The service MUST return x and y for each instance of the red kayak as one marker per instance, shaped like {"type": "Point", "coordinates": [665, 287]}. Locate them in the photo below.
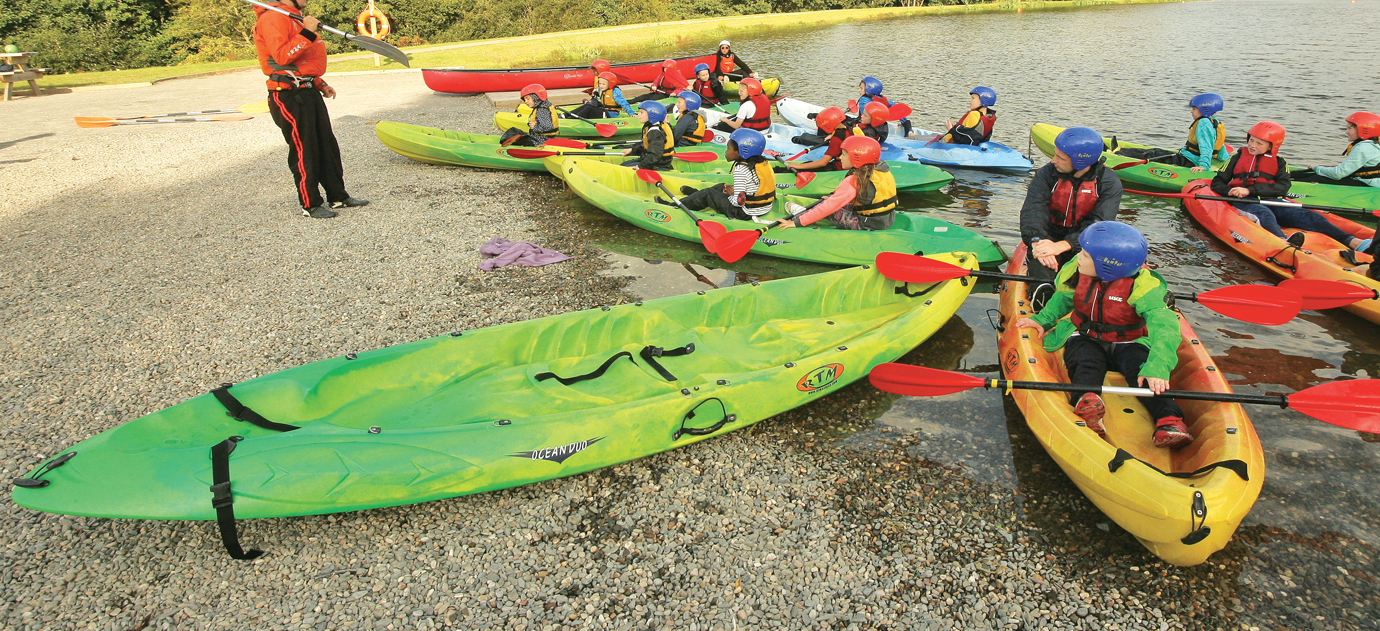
{"type": "Point", "coordinates": [465, 81]}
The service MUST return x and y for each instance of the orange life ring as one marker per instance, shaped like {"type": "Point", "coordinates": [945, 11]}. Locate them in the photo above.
{"type": "Point", "coordinates": [362, 23]}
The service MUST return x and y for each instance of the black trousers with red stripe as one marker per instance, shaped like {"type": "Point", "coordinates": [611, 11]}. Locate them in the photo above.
{"type": "Point", "coordinates": [313, 153]}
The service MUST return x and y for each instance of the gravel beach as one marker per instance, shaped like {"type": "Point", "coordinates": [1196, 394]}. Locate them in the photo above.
{"type": "Point", "coordinates": [143, 266]}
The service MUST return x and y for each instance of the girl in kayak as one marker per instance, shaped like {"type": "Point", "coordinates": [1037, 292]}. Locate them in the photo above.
{"type": "Point", "coordinates": [728, 65]}
{"type": "Point", "coordinates": [755, 111]}
{"type": "Point", "coordinates": [865, 199]}
{"type": "Point", "coordinates": [1362, 164]}
{"type": "Point", "coordinates": [658, 142]}
{"type": "Point", "coordinates": [828, 124]}
{"type": "Point", "coordinates": [542, 124]}
{"type": "Point", "coordinates": [606, 102]}
{"type": "Point", "coordinates": [598, 66]}
{"type": "Point", "coordinates": [710, 91]}
{"type": "Point", "coordinates": [872, 122]}
{"type": "Point", "coordinates": [1205, 131]}
{"type": "Point", "coordinates": [1074, 191]}
{"type": "Point", "coordinates": [1256, 170]}
{"type": "Point", "coordinates": [975, 126]}
{"type": "Point", "coordinates": [667, 84]}
{"type": "Point", "coordinates": [753, 191]}
{"type": "Point", "coordinates": [1118, 320]}
{"type": "Point", "coordinates": [689, 129]}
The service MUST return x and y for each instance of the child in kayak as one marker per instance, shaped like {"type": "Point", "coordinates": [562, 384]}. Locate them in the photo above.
{"type": "Point", "coordinates": [1205, 131]}
{"type": "Point", "coordinates": [755, 111]}
{"type": "Point", "coordinates": [658, 143]}
{"type": "Point", "coordinates": [606, 102]}
{"type": "Point", "coordinates": [870, 91]}
{"type": "Point", "coordinates": [1074, 191]}
{"type": "Point", "coordinates": [710, 91]}
{"type": "Point", "coordinates": [728, 65]}
{"type": "Point", "coordinates": [828, 125]}
{"type": "Point", "coordinates": [598, 67]}
{"type": "Point", "coordinates": [1362, 164]}
{"type": "Point", "coordinates": [865, 200]}
{"type": "Point", "coordinates": [1118, 320]}
{"type": "Point", "coordinates": [975, 126]}
{"type": "Point", "coordinates": [872, 122]}
{"type": "Point", "coordinates": [689, 129]}
{"type": "Point", "coordinates": [667, 84]}
{"type": "Point", "coordinates": [753, 191]}
{"type": "Point", "coordinates": [542, 124]}
{"type": "Point", "coordinates": [1256, 170]}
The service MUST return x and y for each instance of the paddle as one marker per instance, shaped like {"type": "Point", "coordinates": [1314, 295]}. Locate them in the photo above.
{"type": "Point", "coordinates": [899, 111]}
{"type": "Point", "coordinates": [1328, 294]}
{"type": "Point", "coordinates": [735, 245]}
{"type": "Point", "coordinates": [802, 178]}
{"type": "Point", "coordinates": [603, 129]}
{"type": "Point", "coordinates": [96, 121]}
{"type": "Point", "coordinates": [710, 231]}
{"type": "Point", "coordinates": [367, 43]}
{"type": "Point", "coordinates": [1256, 200]}
{"type": "Point", "coordinates": [1353, 404]}
{"type": "Point", "coordinates": [537, 154]}
{"type": "Point", "coordinates": [257, 107]}
{"type": "Point", "coordinates": [1140, 162]}
{"type": "Point", "coordinates": [1261, 304]}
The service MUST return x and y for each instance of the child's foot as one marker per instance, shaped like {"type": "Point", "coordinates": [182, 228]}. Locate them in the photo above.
{"type": "Point", "coordinates": [1296, 239]}
{"type": "Point", "coordinates": [1091, 409]}
{"type": "Point", "coordinates": [1171, 432]}
{"type": "Point", "coordinates": [1363, 245]}
{"type": "Point", "coordinates": [688, 190]}
{"type": "Point", "coordinates": [663, 202]}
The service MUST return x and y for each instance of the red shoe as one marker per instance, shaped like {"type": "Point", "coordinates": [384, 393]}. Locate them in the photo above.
{"type": "Point", "coordinates": [1171, 432]}
{"type": "Point", "coordinates": [1091, 409]}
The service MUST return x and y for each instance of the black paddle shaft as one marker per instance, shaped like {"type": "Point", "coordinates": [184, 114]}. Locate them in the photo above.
{"type": "Point", "coordinates": [679, 205]}
{"type": "Point", "coordinates": [1224, 397]}
{"type": "Point", "coordinates": [1178, 295]}
{"type": "Point", "coordinates": [1288, 204]}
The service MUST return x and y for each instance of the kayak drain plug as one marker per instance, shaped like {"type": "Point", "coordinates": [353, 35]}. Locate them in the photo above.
{"type": "Point", "coordinates": [374, 429]}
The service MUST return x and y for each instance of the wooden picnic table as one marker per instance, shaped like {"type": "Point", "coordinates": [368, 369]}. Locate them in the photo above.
{"type": "Point", "coordinates": [23, 71]}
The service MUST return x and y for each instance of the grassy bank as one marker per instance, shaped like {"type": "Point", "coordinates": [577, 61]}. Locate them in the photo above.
{"type": "Point", "coordinates": [577, 47]}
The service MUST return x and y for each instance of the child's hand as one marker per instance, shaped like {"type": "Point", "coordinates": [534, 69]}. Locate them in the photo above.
{"type": "Point", "coordinates": [1027, 323]}
{"type": "Point", "coordinates": [627, 151]}
{"type": "Point", "coordinates": [728, 189]}
{"type": "Point", "coordinates": [1196, 170]}
{"type": "Point", "coordinates": [1157, 386]}
{"type": "Point", "coordinates": [784, 224]}
{"type": "Point", "coordinates": [1239, 191]}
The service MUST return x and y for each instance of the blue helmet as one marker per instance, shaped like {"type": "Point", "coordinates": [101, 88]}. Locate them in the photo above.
{"type": "Point", "coordinates": [656, 112]}
{"type": "Point", "coordinates": [750, 142]}
{"type": "Point", "coordinates": [987, 96]}
{"type": "Point", "coordinates": [699, 67]}
{"type": "Point", "coordinates": [1208, 104]}
{"type": "Point", "coordinates": [871, 86]}
{"type": "Point", "coordinates": [692, 100]}
{"type": "Point", "coordinates": [1117, 250]}
{"type": "Point", "coordinates": [1082, 145]}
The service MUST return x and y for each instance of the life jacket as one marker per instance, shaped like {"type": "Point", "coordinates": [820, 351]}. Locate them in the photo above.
{"type": "Point", "coordinates": [988, 120]}
{"type": "Point", "coordinates": [1192, 145]}
{"type": "Point", "coordinates": [306, 59]}
{"type": "Point", "coordinates": [669, 141]}
{"type": "Point", "coordinates": [760, 201]}
{"type": "Point", "coordinates": [725, 63]}
{"type": "Point", "coordinates": [1251, 170]}
{"type": "Point", "coordinates": [1367, 172]}
{"type": "Point", "coordinates": [705, 89]}
{"type": "Point", "coordinates": [697, 132]}
{"type": "Point", "coordinates": [862, 102]}
{"type": "Point", "coordinates": [550, 111]}
{"type": "Point", "coordinates": [877, 195]}
{"type": "Point", "coordinates": [878, 132]}
{"type": "Point", "coordinates": [605, 100]}
{"type": "Point", "coordinates": [761, 119]}
{"type": "Point", "coordinates": [1103, 312]}
{"type": "Point", "coordinates": [668, 84]}
{"type": "Point", "coordinates": [1073, 198]}
{"type": "Point", "coordinates": [840, 134]}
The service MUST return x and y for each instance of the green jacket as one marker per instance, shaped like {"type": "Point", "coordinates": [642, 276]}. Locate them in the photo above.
{"type": "Point", "coordinates": [1147, 298]}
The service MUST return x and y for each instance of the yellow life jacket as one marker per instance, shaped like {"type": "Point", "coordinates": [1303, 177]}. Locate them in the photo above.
{"type": "Point", "coordinates": [605, 100]}
{"type": "Point", "coordinates": [760, 202]}
{"type": "Point", "coordinates": [1365, 172]}
{"type": "Point", "coordinates": [669, 140]}
{"type": "Point", "coordinates": [550, 111]}
{"type": "Point", "coordinates": [878, 194]}
{"type": "Point", "coordinates": [1192, 144]}
{"type": "Point", "coordinates": [696, 134]}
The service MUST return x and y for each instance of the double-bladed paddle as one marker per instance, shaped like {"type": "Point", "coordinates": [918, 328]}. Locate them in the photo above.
{"type": "Point", "coordinates": [97, 121]}
{"type": "Point", "coordinates": [603, 129]}
{"type": "Point", "coordinates": [1353, 404]}
{"type": "Point", "coordinates": [257, 107]}
{"type": "Point", "coordinates": [895, 112]}
{"type": "Point", "coordinates": [802, 178]}
{"type": "Point", "coordinates": [735, 245]}
{"type": "Point", "coordinates": [537, 154]}
{"type": "Point", "coordinates": [1256, 200]}
{"type": "Point", "coordinates": [710, 231]}
{"type": "Point", "coordinates": [367, 43]}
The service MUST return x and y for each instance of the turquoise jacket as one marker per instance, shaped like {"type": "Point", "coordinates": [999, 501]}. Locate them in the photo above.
{"type": "Point", "coordinates": [1207, 138]}
{"type": "Point", "coordinates": [1363, 154]}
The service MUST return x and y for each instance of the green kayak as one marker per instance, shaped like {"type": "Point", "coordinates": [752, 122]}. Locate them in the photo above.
{"type": "Point", "coordinates": [501, 406]}
{"type": "Point", "coordinates": [576, 128]}
{"type": "Point", "coordinates": [618, 190]}
{"type": "Point", "coordinates": [1162, 177]}
{"type": "Point", "coordinates": [910, 177]}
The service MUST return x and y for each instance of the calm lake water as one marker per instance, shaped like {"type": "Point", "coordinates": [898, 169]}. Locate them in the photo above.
{"type": "Point", "coordinates": [1127, 71]}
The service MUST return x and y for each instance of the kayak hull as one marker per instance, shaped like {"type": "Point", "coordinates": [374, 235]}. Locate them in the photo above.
{"type": "Point", "coordinates": [1155, 508]}
{"type": "Point", "coordinates": [624, 126]}
{"type": "Point", "coordinates": [449, 148]}
{"type": "Point", "coordinates": [468, 81]}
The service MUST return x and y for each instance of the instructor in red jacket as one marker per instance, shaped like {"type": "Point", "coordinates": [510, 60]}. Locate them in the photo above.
{"type": "Point", "coordinates": [294, 58]}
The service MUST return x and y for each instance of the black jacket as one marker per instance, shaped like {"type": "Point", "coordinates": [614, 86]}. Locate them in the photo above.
{"type": "Point", "coordinates": [1035, 214]}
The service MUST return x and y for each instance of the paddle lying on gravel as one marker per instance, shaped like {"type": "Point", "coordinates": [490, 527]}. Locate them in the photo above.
{"type": "Point", "coordinates": [537, 154]}
{"type": "Point", "coordinates": [1353, 404]}
{"type": "Point", "coordinates": [710, 231]}
{"type": "Point", "coordinates": [367, 43]}
{"type": "Point", "coordinates": [1260, 304]}
{"type": "Point", "coordinates": [1256, 200]}
{"type": "Point", "coordinates": [257, 107]}
{"type": "Point", "coordinates": [802, 178]}
{"type": "Point", "coordinates": [603, 129]}
{"type": "Point", "coordinates": [97, 121]}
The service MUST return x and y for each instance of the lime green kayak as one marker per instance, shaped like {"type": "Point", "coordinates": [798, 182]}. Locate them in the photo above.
{"type": "Point", "coordinates": [576, 128]}
{"type": "Point", "coordinates": [1163, 177]}
{"type": "Point", "coordinates": [502, 406]}
{"type": "Point", "coordinates": [449, 148]}
{"type": "Point", "coordinates": [618, 191]}
{"type": "Point", "coordinates": [910, 177]}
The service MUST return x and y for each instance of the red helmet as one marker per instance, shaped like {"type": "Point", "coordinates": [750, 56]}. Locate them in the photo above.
{"type": "Point", "coordinates": [535, 88]}
{"type": "Point", "coordinates": [862, 150]}
{"type": "Point", "coordinates": [878, 112]}
{"type": "Point", "coordinates": [829, 118]}
{"type": "Point", "coordinates": [754, 87]}
{"type": "Point", "coordinates": [599, 65]}
{"type": "Point", "coordinates": [669, 64]}
{"type": "Point", "coordinates": [1270, 132]}
{"type": "Point", "coordinates": [609, 76]}
{"type": "Point", "coordinates": [1367, 124]}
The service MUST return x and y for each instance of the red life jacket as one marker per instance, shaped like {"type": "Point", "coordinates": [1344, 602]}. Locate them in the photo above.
{"type": "Point", "coordinates": [1251, 170]}
{"type": "Point", "coordinates": [725, 63]}
{"type": "Point", "coordinates": [989, 120]}
{"type": "Point", "coordinates": [1072, 200]}
{"type": "Point", "coordinates": [1102, 311]}
{"type": "Point", "coordinates": [761, 119]}
{"type": "Point", "coordinates": [669, 83]}
{"type": "Point", "coordinates": [705, 89]}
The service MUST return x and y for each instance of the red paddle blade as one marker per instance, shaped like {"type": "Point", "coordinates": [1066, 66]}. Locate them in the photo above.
{"type": "Point", "coordinates": [735, 245]}
{"type": "Point", "coordinates": [1353, 404]}
{"type": "Point", "coordinates": [710, 233]}
{"type": "Point", "coordinates": [910, 268]}
{"type": "Point", "coordinates": [803, 179]}
{"type": "Point", "coordinates": [1327, 294]}
{"type": "Point", "coordinates": [853, 105]}
{"type": "Point", "coordinates": [900, 111]}
{"type": "Point", "coordinates": [1128, 165]}
{"type": "Point", "coordinates": [531, 154]}
{"type": "Point", "coordinates": [649, 176]}
{"type": "Point", "coordinates": [918, 381]}
{"type": "Point", "coordinates": [1261, 304]}
{"type": "Point", "coordinates": [698, 156]}
{"type": "Point", "coordinates": [708, 135]}
{"type": "Point", "coordinates": [567, 143]}
{"type": "Point", "coordinates": [605, 130]}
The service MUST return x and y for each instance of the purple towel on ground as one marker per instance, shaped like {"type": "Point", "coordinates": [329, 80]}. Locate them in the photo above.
{"type": "Point", "coordinates": [501, 252]}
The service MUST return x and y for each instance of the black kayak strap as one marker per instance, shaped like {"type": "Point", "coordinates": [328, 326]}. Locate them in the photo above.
{"type": "Point", "coordinates": [241, 412]}
{"type": "Point", "coordinates": [1235, 466]}
{"type": "Point", "coordinates": [593, 374]}
{"type": "Point", "coordinates": [224, 501]}
{"type": "Point", "coordinates": [648, 355]}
